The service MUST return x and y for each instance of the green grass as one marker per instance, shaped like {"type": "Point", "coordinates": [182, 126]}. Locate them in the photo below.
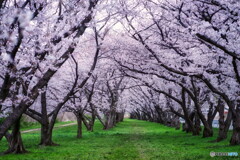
{"type": "Point", "coordinates": [38, 125]}
{"type": "Point", "coordinates": [130, 140]}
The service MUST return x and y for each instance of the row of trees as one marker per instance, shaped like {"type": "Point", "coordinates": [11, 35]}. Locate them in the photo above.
{"type": "Point", "coordinates": [158, 60]}
{"type": "Point", "coordinates": [188, 52]}
{"type": "Point", "coordinates": [51, 56]}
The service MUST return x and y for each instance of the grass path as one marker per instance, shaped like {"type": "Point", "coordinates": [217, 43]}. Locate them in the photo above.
{"type": "Point", "coordinates": [38, 129]}
{"type": "Point", "coordinates": [137, 132]}
{"type": "Point", "coordinates": [129, 140]}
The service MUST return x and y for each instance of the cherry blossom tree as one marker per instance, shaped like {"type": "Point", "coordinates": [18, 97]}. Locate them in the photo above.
{"type": "Point", "coordinates": [157, 59]}
{"type": "Point", "coordinates": [173, 38]}
{"type": "Point", "coordinates": [32, 54]}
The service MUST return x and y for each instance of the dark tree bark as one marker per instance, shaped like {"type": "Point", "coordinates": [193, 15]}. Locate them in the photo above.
{"type": "Point", "coordinates": [86, 123]}
{"type": "Point", "coordinates": [16, 144]}
{"type": "Point", "coordinates": [100, 119]}
{"type": "Point", "coordinates": [110, 119]}
{"type": "Point", "coordinates": [46, 130]}
{"type": "Point", "coordinates": [79, 124]}
{"type": "Point", "coordinates": [186, 128]}
{"type": "Point", "coordinates": [207, 131]}
{"type": "Point", "coordinates": [92, 121]}
{"type": "Point", "coordinates": [1, 3]}
{"type": "Point", "coordinates": [235, 139]}
{"type": "Point", "coordinates": [5, 88]}
{"type": "Point", "coordinates": [189, 123]}
{"type": "Point", "coordinates": [197, 122]}
{"type": "Point", "coordinates": [211, 114]}
{"type": "Point", "coordinates": [159, 113]}
{"type": "Point", "coordinates": [223, 124]}
{"type": "Point", "coordinates": [210, 117]}
{"type": "Point", "coordinates": [79, 130]}
{"type": "Point", "coordinates": [89, 123]}
{"type": "Point", "coordinates": [119, 116]}
{"type": "Point", "coordinates": [93, 117]}
{"type": "Point", "coordinates": [46, 135]}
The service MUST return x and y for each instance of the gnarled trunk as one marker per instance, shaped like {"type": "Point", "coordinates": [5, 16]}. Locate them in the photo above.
{"type": "Point", "coordinates": [189, 126]}
{"type": "Point", "coordinates": [46, 135]}
{"type": "Point", "coordinates": [223, 125]}
{"type": "Point", "coordinates": [210, 117]}
{"type": "Point", "coordinates": [235, 139]}
{"type": "Point", "coordinates": [16, 145]}
{"type": "Point", "coordinates": [186, 128]}
{"type": "Point", "coordinates": [207, 131]}
{"type": "Point", "coordinates": [197, 123]}
{"type": "Point", "coordinates": [111, 120]}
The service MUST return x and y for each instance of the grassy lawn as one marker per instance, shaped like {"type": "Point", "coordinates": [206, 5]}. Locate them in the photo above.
{"type": "Point", "coordinates": [130, 140]}
{"type": "Point", "coordinates": [38, 125]}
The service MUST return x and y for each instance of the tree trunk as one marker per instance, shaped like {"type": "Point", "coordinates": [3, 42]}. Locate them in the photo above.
{"type": "Point", "coordinates": [16, 144]}
{"type": "Point", "coordinates": [8, 137]}
{"type": "Point", "coordinates": [93, 118]}
{"type": "Point", "coordinates": [79, 124]}
{"type": "Point", "coordinates": [46, 128]}
{"type": "Point", "coordinates": [188, 122]}
{"type": "Point", "coordinates": [111, 120]}
{"type": "Point", "coordinates": [207, 131]}
{"type": "Point", "coordinates": [211, 114]}
{"type": "Point", "coordinates": [223, 125]}
{"type": "Point", "coordinates": [101, 120]}
{"type": "Point", "coordinates": [119, 116]}
{"type": "Point", "coordinates": [210, 117]}
{"type": "Point", "coordinates": [186, 128]}
{"type": "Point", "coordinates": [235, 139]}
{"type": "Point", "coordinates": [197, 123]}
{"type": "Point", "coordinates": [92, 121]}
{"type": "Point", "coordinates": [46, 135]}
{"type": "Point", "coordinates": [86, 123]}
{"type": "Point", "coordinates": [176, 122]}
{"type": "Point", "coordinates": [122, 116]}
{"type": "Point", "coordinates": [177, 125]}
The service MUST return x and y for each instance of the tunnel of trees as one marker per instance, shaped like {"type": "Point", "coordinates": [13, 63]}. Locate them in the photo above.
{"type": "Point", "coordinates": [158, 60]}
